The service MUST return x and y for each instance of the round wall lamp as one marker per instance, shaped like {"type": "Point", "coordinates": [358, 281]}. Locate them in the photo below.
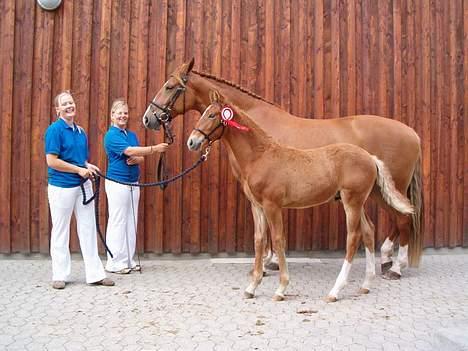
{"type": "Point", "coordinates": [49, 5]}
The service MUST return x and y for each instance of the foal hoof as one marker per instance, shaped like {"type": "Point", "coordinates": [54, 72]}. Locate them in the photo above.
{"type": "Point", "coordinates": [330, 299]}
{"type": "Point", "coordinates": [363, 291]}
{"type": "Point", "coordinates": [248, 295]}
{"type": "Point", "coordinates": [272, 266]}
{"type": "Point", "coordinates": [277, 297]}
{"type": "Point", "coordinates": [385, 267]}
{"type": "Point", "coordinates": [391, 275]}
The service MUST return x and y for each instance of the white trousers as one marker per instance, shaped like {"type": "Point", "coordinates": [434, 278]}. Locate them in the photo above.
{"type": "Point", "coordinates": [122, 224]}
{"type": "Point", "coordinates": [63, 202]}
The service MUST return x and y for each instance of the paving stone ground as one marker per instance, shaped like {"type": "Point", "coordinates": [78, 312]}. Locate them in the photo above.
{"type": "Point", "coordinates": [198, 305]}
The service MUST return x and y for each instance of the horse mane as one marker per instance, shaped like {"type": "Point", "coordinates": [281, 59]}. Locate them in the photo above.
{"type": "Point", "coordinates": [231, 84]}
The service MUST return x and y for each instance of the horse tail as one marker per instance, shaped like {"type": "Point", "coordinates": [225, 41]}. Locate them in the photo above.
{"type": "Point", "coordinates": [416, 238]}
{"type": "Point", "coordinates": [390, 194]}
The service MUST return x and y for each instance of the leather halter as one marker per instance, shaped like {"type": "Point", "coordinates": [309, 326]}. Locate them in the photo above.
{"type": "Point", "coordinates": [207, 136]}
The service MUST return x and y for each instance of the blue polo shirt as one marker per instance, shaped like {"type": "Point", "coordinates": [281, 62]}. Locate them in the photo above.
{"type": "Point", "coordinates": [116, 141]}
{"type": "Point", "coordinates": [70, 144]}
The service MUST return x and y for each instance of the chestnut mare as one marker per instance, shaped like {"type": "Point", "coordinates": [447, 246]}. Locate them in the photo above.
{"type": "Point", "coordinates": [274, 177]}
{"type": "Point", "coordinates": [396, 144]}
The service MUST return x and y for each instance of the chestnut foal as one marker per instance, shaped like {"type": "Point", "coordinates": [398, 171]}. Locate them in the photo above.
{"type": "Point", "coordinates": [274, 176]}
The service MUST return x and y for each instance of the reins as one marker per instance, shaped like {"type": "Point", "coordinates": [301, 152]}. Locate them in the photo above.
{"type": "Point", "coordinates": [161, 170]}
{"type": "Point", "coordinates": [97, 180]}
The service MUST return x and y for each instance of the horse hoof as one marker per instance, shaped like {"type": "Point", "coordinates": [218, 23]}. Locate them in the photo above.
{"type": "Point", "coordinates": [272, 266]}
{"type": "Point", "coordinates": [330, 299]}
{"type": "Point", "coordinates": [386, 266]}
{"type": "Point", "coordinates": [363, 291]}
{"type": "Point", "coordinates": [278, 297]}
{"type": "Point", "coordinates": [391, 275]}
{"type": "Point", "coordinates": [248, 295]}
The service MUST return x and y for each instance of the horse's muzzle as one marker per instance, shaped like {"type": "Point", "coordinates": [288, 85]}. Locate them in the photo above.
{"type": "Point", "coordinates": [151, 122]}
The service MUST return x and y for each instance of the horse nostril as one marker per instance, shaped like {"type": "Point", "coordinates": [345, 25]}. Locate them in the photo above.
{"type": "Point", "coordinates": [145, 121]}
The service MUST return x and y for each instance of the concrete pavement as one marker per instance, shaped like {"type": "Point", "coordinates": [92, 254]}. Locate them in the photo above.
{"type": "Point", "coordinates": [198, 305]}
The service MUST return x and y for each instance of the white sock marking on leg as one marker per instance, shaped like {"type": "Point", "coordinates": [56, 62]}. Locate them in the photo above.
{"type": "Point", "coordinates": [370, 269]}
{"type": "Point", "coordinates": [341, 280]}
{"type": "Point", "coordinates": [402, 261]}
{"type": "Point", "coordinates": [386, 251]}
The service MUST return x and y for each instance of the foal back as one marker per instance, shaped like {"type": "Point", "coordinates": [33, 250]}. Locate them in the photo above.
{"type": "Point", "coordinates": [294, 178]}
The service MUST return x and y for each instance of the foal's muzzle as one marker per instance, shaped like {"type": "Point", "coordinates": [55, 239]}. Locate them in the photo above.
{"type": "Point", "coordinates": [194, 143]}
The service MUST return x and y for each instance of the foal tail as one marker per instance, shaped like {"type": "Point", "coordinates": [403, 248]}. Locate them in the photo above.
{"type": "Point", "coordinates": [389, 193]}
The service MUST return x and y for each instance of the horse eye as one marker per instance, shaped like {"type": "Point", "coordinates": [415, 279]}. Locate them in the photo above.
{"type": "Point", "coordinates": [170, 87]}
{"type": "Point", "coordinates": [211, 116]}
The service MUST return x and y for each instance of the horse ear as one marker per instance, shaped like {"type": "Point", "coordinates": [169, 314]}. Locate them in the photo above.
{"type": "Point", "coordinates": [190, 64]}
{"type": "Point", "coordinates": [214, 96]}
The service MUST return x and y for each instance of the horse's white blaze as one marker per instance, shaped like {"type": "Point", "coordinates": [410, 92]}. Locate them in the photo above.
{"type": "Point", "coordinates": [402, 261]}
{"type": "Point", "coordinates": [386, 251]}
{"type": "Point", "coordinates": [148, 110]}
{"type": "Point", "coordinates": [370, 269]}
{"type": "Point", "coordinates": [341, 280]}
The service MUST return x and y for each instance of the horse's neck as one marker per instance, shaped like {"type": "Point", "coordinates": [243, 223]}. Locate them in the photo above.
{"type": "Point", "coordinates": [203, 86]}
{"type": "Point", "coordinates": [246, 146]}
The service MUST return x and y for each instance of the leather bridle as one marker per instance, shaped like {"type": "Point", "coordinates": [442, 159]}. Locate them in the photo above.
{"type": "Point", "coordinates": [164, 118]}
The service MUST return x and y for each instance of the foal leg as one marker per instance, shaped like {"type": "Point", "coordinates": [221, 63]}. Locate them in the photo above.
{"type": "Point", "coordinates": [368, 236]}
{"type": "Point", "coordinates": [260, 238]}
{"type": "Point", "coordinates": [275, 220]}
{"type": "Point", "coordinates": [353, 223]}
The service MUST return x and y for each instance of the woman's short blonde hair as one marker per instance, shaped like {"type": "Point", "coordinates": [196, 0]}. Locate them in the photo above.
{"type": "Point", "coordinates": [117, 103]}
{"type": "Point", "coordinates": [57, 97]}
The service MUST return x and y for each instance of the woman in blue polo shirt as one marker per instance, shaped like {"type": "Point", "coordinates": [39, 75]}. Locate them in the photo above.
{"type": "Point", "coordinates": [124, 156]}
{"type": "Point", "coordinates": [66, 149]}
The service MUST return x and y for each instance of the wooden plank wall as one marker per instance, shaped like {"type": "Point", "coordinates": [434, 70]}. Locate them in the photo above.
{"type": "Point", "coordinates": [403, 59]}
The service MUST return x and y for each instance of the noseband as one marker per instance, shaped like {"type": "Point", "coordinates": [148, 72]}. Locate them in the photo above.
{"type": "Point", "coordinates": [207, 136]}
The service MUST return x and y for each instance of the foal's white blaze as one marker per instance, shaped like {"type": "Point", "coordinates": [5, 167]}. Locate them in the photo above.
{"type": "Point", "coordinates": [370, 269]}
{"type": "Point", "coordinates": [386, 251]}
{"type": "Point", "coordinates": [341, 280]}
{"type": "Point", "coordinates": [402, 261]}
